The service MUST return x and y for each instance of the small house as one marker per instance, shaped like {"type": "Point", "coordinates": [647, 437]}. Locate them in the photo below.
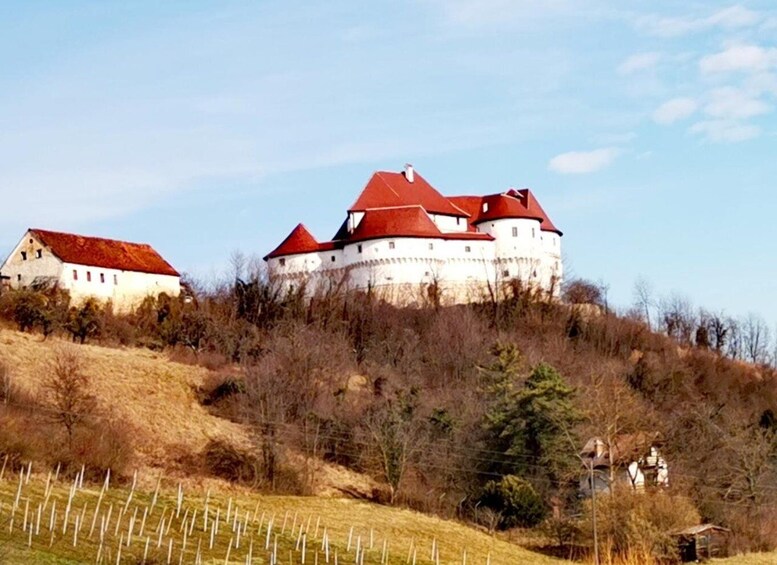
{"type": "Point", "coordinates": [631, 460]}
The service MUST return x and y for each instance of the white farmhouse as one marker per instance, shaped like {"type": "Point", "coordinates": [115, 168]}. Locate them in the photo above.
{"type": "Point", "coordinates": [122, 272]}
{"type": "Point", "coordinates": [401, 238]}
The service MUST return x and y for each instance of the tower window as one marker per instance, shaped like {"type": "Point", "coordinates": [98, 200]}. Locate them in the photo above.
{"type": "Point", "coordinates": [467, 249]}
{"type": "Point", "coordinates": [24, 255]}
{"type": "Point", "coordinates": [333, 258]}
{"type": "Point", "coordinates": [39, 253]}
{"type": "Point", "coordinates": [75, 275]}
{"type": "Point", "coordinates": [282, 261]}
{"type": "Point", "coordinates": [515, 232]}
{"type": "Point", "coordinates": [88, 276]}
{"type": "Point", "coordinates": [534, 232]}
{"type": "Point", "coordinates": [102, 277]}
{"type": "Point", "coordinates": [115, 279]}
{"type": "Point", "coordinates": [391, 245]}
{"type": "Point", "coordinates": [359, 248]}
{"type": "Point", "coordinates": [431, 246]}
{"type": "Point", "coordinates": [19, 278]}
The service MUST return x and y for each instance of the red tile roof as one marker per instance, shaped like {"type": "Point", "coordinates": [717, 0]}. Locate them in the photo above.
{"type": "Point", "coordinates": [106, 253]}
{"type": "Point", "coordinates": [385, 190]}
{"type": "Point", "coordinates": [300, 240]}
{"type": "Point", "coordinates": [511, 204]}
{"type": "Point", "coordinates": [404, 221]}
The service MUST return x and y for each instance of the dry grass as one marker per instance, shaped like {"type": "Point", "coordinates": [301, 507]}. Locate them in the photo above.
{"type": "Point", "coordinates": [748, 559]}
{"type": "Point", "coordinates": [405, 532]}
{"type": "Point", "coordinates": [156, 399]}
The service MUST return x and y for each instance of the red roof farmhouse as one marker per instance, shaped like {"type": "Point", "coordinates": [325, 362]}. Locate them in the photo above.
{"type": "Point", "coordinates": [401, 236]}
{"type": "Point", "coordinates": [122, 272]}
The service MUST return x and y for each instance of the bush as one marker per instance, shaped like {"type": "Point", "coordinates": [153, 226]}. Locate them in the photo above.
{"type": "Point", "coordinates": [225, 461]}
{"type": "Point", "coordinates": [514, 502]}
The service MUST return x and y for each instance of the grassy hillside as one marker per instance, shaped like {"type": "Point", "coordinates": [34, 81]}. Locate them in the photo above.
{"type": "Point", "coordinates": [117, 511]}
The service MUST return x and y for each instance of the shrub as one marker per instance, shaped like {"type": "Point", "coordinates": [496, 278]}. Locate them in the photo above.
{"type": "Point", "coordinates": [513, 501]}
{"type": "Point", "coordinates": [228, 462]}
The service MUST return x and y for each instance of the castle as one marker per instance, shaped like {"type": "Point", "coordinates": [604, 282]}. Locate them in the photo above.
{"type": "Point", "coordinates": [406, 241]}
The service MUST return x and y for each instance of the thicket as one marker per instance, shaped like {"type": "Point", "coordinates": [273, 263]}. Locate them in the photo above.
{"type": "Point", "coordinates": [474, 411]}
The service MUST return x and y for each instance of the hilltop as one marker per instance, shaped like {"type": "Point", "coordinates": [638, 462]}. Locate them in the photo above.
{"type": "Point", "coordinates": [475, 412]}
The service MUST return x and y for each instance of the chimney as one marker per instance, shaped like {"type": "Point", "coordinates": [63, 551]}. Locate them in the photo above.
{"type": "Point", "coordinates": [409, 174]}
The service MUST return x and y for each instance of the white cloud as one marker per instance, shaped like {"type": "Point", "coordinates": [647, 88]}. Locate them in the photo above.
{"type": "Point", "coordinates": [726, 131]}
{"type": "Point", "coordinates": [673, 110]}
{"type": "Point", "coordinates": [733, 17]}
{"type": "Point", "coordinates": [733, 103]}
{"type": "Point", "coordinates": [581, 162]}
{"type": "Point", "coordinates": [639, 62]}
{"type": "Point", "coordinates": [739, 57]}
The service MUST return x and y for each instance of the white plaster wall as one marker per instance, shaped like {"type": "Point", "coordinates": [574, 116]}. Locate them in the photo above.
{"type": "Point", "coordinates": [125, 291]}
{"type": "Point", "coordinates": [450, 223]}
{"type": "Point", "coordinates": [47, 266]}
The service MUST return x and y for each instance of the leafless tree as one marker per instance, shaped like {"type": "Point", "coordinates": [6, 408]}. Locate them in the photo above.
{"type": "Point", "coordinates": [677, 318]}
{"type": "Point", "coordinates": [755, 338]}
{"type": "Point", "coordinates": [67, 388]}
{"type": "Point", "coordinates": [644, 298]}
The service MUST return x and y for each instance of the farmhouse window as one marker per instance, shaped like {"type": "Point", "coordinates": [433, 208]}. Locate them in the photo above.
{"type": "Point", "coordinates": [88, 276]}
{"type": "Point", "coordinates": [24, 255]}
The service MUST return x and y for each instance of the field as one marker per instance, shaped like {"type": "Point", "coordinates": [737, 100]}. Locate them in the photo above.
{"type": "Point", "coordinates": [45, 520]}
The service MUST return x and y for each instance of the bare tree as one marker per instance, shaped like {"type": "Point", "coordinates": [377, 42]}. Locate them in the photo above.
{"type": "Point", "coordinates": [67, 388]}
{"type": "Point", "coordinates": [755, 339]}
{"type": "Point", "coordinates": [644, 298]}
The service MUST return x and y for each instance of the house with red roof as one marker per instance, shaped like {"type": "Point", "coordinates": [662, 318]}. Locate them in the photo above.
{"type": "Point", "coordinates": [402, 238]}
{"type": "Point", "coordinates": [122, 272]}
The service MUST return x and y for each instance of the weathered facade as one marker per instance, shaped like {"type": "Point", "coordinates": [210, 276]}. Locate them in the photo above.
{"type": "Point", "coordinates": [121, 272]}
{"type": "Point", "coordinates": [632, 461]}
{"type": "Point", "coordinates": [401, 238]}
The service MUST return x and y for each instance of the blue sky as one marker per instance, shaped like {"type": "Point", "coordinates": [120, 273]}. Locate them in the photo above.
{"type": "Point", "coordinates": [646, 129]}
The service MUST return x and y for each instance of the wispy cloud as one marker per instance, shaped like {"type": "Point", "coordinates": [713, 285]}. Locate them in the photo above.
{"type": "Point", "coordinates": [733, 103]}
{"type": "Point", "coordinates": [733, 17]}
{"type": "Point", "coordinates": [726, 131]}
{"type": "Point", "coordinates": [639, 62]}
{"type": "Point", "coordinates": [674, 110]}
{"type": "Point", "coordinates": [582, 162]}
{"type": "Point", "coordinates": [739, 57]}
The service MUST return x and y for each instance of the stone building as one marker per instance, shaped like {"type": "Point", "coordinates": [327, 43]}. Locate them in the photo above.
{"type": "Point", "coordinates": [118, 271]}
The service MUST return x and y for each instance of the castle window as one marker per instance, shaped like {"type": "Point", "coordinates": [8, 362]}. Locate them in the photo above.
{"type": "Point", "coordinates": [515, 232]}
{"type": "Point", "coordinates": [391, 245]}
{"type": "Point", "coordinates": [24, 255]}
{"type": "Point", "coordinates": [534, 232]}
{"type": "Point", "coordinates": [75, 275]}
{"type": "Point", "coordinates": [467, 249]}
{"type": "Point", "coordinates": [458, 220]}
{"type": "Point", "coordinates": [333, 258]}
{"type": "Point", "coordinates": [506, 273]}
{"type": "Point", "coordinates": [19, 278]}
{"type": "Point", "coordinates": [102, 277]}
{"type": "Point", "coordinates": [359, 248]}
{"type": "Point", "coordinates": [88, 276]}
{"type": "Point", "coordinates": [115, 279]}
{"type": "Point", "coordinates": [431, 246]}
{"type": "Point", "coordinates": [282, 261]}
{"type": "Point", "coordinates": [39, 253]}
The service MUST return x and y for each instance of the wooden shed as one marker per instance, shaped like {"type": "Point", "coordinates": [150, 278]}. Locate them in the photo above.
{"type": "Point", "coordinates": [702, 542]}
